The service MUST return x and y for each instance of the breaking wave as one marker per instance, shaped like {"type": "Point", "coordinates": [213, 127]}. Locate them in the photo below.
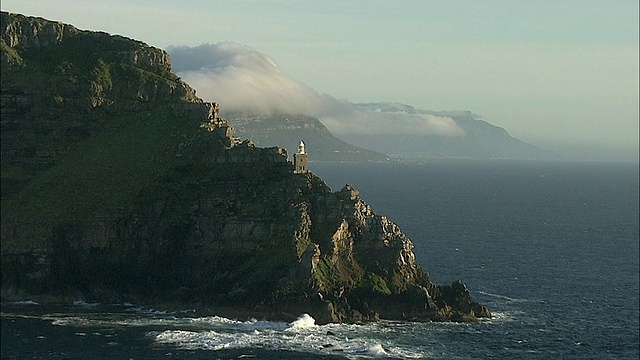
{"type": "Point", "coordinates": [383, 339]}
{"type": "Point", "coordinates": [303, 322]}
{"type": "Point", "coordinates": [502, 297]}
{"type": "Point", "coordinates": [301, 335]}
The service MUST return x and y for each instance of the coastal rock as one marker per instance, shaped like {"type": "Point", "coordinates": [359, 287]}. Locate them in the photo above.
{"type": "Point", "coordinates": [148, 196]}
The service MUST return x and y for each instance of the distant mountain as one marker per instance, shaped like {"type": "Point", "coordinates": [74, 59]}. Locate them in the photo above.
{"type": "Point", "coordinates": [246, 81]}
{"type": "Point", "coordinates": [387, 107]}
{"type": "Point", "coordinates": [287, 130]}
{"type": "Point", "coordinates": [449, 134]}
{"type": "Point", "coordinates": [376, 132]}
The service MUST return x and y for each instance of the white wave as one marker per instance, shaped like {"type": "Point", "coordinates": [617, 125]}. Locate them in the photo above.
{"type": "Point", "coordinates": [69, 321]}
{"type": "Point", "coordinates": [149, 317]}
{"type": "Point", "coordinates": [149, 311]}
{"type": "Point", "coordinates": [145, 310]}
{"type": "Point", "coordinates": [214, 320]}
{"type": "Point", "coordinates": [252, 325]}
{"type": "Point", "coordinates": [377, 351]}
{"type": "Point", "coordinates": [209, 340]}
{"type": "Point", "coordinates": [303, 322]}
{"type": "Point", "coordinates": [178, 337]}
{"type": "Point", "coordinates": [504, 297]}
{"type": "Point", "coordinates": [85, 304]}
{"type": "Point", "coordinates": [498, 317]}
{"type": "Point", "coordinates": [266, 325]}
{"type": "Point", "coordinates": [303, 335]}
{"type": "Point", "coordinates": [24, 302]}
{"type": "Point", "coordinates": [96, 320]}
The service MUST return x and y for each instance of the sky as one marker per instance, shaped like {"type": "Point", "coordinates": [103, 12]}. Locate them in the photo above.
{"type": "Point", "coordinates": [560, 74]}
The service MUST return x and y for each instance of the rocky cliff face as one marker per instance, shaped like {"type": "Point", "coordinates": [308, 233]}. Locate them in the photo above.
{"type": "Point", "coordinates": [160, 202]}
{"type": "Point", "coordinates": [28, 32]}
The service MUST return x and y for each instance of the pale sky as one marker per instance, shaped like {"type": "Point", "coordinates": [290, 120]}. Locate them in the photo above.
{"type": "Point", "coordinates": [549, 72]}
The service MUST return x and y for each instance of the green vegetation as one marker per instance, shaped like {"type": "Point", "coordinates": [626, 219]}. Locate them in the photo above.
{"type": "Point", "coordinates": [375, 283]}
{"type": "Point", "coordinates": [10, 56]}
{"type": "Point", "coordinates": [334, 275]}
{"type": "Point", "coordinates": [95, 168]}
{"type": "Point", "coordinates": [87, 123]}
{"type": "Point", "coordinates": [100, 174]}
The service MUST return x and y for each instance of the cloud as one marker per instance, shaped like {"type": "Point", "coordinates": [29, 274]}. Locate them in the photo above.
{"type": "Point", "coordinates": [368, 120]}
{"type": "Point", "coordinates": [243, 79]}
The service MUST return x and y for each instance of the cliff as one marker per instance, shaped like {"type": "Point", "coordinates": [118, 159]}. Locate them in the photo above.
{"type": "Point", "coordinates": [120, 184]}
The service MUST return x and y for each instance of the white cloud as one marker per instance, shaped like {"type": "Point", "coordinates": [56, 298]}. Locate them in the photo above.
{"type": "Point", "coordinates": [377, 122]}
{"type": "Point", "coordinates": [242, 79]}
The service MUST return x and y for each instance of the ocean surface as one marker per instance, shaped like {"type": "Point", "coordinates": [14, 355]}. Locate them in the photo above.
{"type": "Point", "coordinates": [550, 247]}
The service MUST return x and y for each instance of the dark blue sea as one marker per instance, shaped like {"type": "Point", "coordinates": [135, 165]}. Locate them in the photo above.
{"type": "Point", "coordinates": [550, 247]}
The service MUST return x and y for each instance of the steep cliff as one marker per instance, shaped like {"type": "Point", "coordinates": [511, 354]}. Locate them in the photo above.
{"type": "Point", "coordinates": [132, 188]}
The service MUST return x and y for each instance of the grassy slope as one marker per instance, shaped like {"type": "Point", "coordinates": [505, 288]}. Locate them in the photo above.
{"type": "Point", "coordinates": [101, 174]}
{"type": "Point", "coordinates": [85, 101]}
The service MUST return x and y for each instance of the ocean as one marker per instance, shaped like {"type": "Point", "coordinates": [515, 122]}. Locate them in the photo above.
{"type": "Point", "coordinates": [552, 248]}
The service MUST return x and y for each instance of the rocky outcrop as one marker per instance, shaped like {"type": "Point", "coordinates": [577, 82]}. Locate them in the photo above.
{"type": "Point", "coordinates": [33, 32]}
{"type": "Point", "coordinates": [19, 31]}
{"type": "Point", "coordinates": [163, 203]}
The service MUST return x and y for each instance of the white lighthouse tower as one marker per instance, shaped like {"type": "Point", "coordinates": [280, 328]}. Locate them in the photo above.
{"type": "Point", "coordinates": [300, 159]}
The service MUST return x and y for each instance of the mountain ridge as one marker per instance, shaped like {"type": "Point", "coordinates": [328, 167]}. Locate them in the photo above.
{"type": "Point", "coordinates": [287, 130]}
{"type": "Point", "coordinates": [476, 138]}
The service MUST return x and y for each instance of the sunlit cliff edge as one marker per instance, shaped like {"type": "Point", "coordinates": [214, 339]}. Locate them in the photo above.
{"type": "Point", "coordinates": [120, 184]}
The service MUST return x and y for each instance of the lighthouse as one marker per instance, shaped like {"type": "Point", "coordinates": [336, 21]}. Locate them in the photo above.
{"type": "Point", "coordinates": [300, 159]}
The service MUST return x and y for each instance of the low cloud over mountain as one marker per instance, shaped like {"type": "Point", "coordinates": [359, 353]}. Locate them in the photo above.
{"type": "Point", "coordinates": [242, 79]}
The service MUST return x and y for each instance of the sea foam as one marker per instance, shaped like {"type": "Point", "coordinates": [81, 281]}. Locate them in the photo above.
{"type": "Point", "coordinates": [24, 302]}
{"type": "Point", "coordinates": [377, 351]}
{"type": "Point", "coordinates": [303, 322]}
